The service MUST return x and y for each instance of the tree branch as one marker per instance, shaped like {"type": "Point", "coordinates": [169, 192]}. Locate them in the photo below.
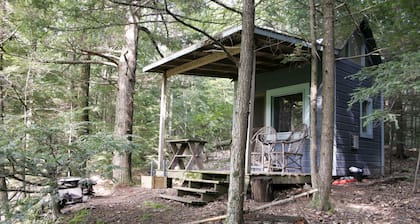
{"type": "Point", "coordinates": [375, 52]}
{"type": "Point", "coordinates": [229, 55]}
{"type": "Point", "coordinates": [150, 35]}
{"type": "Point", "coordinates": [19, 97]}
{"type": "Point", "coordinates": [80, 62]}
{"type": "Point", "coordinates": [114, 59]}
{"type": "Point", "coordinates": [8, 37]}
{"type": "Point", "coordinates": [227, 7]}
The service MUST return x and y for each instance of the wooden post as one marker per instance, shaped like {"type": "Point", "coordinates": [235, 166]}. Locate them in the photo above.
{"type": "Point", "coordinates": [261, 188]}
{"type": "Point", "coordinates": [250, 121]}
{"type": "Point", "coordinates": [162, 122]}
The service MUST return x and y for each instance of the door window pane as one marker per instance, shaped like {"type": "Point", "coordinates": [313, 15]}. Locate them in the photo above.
{"type": "Point", "coordinates": [287, 112]}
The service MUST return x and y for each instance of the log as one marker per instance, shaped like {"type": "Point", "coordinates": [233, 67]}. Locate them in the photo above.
{"type": "Point", "coordinates": [257, 208]}
{"type": "Point", "coordinates": [294, 197]}
{"type": "Point", "coordinates": [261, 188]}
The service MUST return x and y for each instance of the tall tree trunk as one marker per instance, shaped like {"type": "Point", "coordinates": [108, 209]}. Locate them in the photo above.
{"type": "Point", "coordinates": [81, 101]}
{"type": "Point", "coordinates": [400, 140]}
{"type": "Point", "coordinates": [328, 79]}
{"type": "Point", "coordinates": [240, 124]}
{"type": "Point", "coordinates": [3, 185]}
{"type": "Point", "coordinates": [124, 105]}
{"type": "Point", "coordinates": [314, 93]}
{"type": "Point", "coordinates": [84, 98]}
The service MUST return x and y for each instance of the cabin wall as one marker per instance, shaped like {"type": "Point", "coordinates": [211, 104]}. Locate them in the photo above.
{"type": "Point", "coordinates": [368, 154]}
{"type": "Point", "coordinates": [273, 80]}
{"type": "Point", "coordinates": [292, 75]}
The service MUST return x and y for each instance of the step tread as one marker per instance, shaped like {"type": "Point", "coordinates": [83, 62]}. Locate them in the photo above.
{"type": "Point", "coordinates": [183, 199]}
{"type": "Point", "coordinates": [205, 181]}
{"type": "Point", "coordinates": [196, 190]}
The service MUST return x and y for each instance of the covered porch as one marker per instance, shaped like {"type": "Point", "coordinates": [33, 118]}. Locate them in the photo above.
{"type": "Point", "coordinates": [218, 58]}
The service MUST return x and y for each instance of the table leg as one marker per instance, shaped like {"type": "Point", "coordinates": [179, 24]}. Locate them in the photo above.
{"type": "Point", "coordinates": [196, 151]}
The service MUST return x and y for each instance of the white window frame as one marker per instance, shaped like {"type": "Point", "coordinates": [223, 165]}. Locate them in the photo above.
{"type": "Point", "coordinates": [288, 90]}
{"type": "Point", "coordinates": [369, 126]}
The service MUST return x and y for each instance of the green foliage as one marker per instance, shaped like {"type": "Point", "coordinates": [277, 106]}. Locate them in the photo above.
{"type": "Point", "coordinates": [201, 108]}
{"type": "Point", "coordinates": [154, 205]}
{"type": "Point", "coordinates": [80, 217]}
{"type": "Point", "coordinates": [394, 80]}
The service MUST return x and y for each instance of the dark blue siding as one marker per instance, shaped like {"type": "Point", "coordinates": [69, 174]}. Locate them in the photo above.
{"type": "Point", "coordinates": [368, 156]}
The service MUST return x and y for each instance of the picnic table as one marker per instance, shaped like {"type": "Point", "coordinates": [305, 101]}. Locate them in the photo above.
{"type": "Point", "coordinates": [187, 154]}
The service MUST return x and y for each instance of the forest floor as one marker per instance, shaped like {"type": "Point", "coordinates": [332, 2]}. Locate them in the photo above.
{"type": "Point", "coordinates": [384, 200]}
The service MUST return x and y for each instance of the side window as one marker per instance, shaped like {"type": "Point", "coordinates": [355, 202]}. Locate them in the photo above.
{"type": "Point", "coordinates": [366, 109]}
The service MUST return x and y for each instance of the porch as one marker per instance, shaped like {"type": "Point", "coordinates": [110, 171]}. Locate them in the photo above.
{"type": "Point", "coordinates": [216, 58]}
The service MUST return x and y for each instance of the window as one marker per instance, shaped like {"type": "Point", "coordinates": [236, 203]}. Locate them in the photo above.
{"type": "Point", "coordinates": [355, 49]}
{"type": "Point", "coordinates": [287, 112]}
{"type": "Point", "coordinates": [366, 128]}
{"type": "Point", "coordinates": [287, 108]}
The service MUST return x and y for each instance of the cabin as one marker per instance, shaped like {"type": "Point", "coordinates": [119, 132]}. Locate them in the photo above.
{"type": "Point", "coordinates": [280, 101]}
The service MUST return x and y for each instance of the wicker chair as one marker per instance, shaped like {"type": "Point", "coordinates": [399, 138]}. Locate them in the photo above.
{"type": "Point", "coordinates": [286, 155]}
{"type": "Point", "coordinates": [262, 146]}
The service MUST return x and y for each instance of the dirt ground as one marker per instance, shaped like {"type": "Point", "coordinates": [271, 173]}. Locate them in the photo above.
{"type": "Point", "coordinates": [385, 200]}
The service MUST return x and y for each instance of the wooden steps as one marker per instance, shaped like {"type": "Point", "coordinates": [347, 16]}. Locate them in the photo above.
{"type": "Point", "coordinates": [200, 188]}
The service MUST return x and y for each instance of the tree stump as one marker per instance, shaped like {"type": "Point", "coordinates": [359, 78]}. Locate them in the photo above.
{"type": "Point", "coordinates": [261, 188]}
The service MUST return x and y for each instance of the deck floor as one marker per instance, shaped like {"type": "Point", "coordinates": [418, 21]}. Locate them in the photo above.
{"type": "Point", "coordinates": [278, 177]}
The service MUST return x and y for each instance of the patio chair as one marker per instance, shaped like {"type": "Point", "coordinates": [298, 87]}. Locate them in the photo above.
{"type": "Point", "coordinates": [287, 155]}
{"type": "Point", "coordinates": [262, 141]}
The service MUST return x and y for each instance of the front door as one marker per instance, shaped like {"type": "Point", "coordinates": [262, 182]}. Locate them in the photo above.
{"type": "Point", "coordinates": [288, 107]}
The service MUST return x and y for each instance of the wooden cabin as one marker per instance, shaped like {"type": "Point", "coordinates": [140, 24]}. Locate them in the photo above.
{"type": "Point", "coordinates": [280, 93]}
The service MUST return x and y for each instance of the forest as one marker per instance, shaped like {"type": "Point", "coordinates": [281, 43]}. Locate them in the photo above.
{"type": "Point", "coordinates": [74, 100]}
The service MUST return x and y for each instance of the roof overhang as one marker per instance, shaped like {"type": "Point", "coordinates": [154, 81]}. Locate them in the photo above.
{"type": "Point", "coordinates": [207, 58]}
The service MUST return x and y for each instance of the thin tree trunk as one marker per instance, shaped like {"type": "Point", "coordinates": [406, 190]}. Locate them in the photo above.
{"type": "Point", "coordinates": [314, 93]}
{"type": "Point", "coordinates": [84, 97]}
{"type": "Point", "coordinates": [400, 140]}
{"type": "Point", "coordinates": [240, 125]}
{"type": "Point", "coordinates": [328, 79]}
{"type": "Point", "coordinates": [83, 104]}
{"type": "Point", "coordinates": [4, 200]}
{"type": "Point", "coordinates": [417, 171]}
{"type": "Point", "coordinates": [124, 105]}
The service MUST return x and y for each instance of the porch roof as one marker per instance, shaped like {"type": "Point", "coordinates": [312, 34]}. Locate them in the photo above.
{"type": "Point", "coordinates": [207, 58]}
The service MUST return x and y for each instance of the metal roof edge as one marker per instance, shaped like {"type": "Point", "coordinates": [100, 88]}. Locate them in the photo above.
{"type": "Point", "coordinates": [192, 48]}
{"type": "Point", "coordinates": [257, 30]}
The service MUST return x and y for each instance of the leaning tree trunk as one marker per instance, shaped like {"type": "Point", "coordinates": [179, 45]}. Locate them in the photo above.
{"type": "Point", "coordinates": [328, 79]}
{"type": "Point", "coordinates": [240, 124]}
{"type": "Point", "coordinates": [124, 105]}
{"type": "Point", "coordinates": [314, 92]}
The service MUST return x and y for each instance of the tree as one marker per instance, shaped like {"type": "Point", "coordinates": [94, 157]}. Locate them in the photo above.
{"type": "Point", "coordinates": [124, 107]}
{"type": "Point", "coordinates": [328, 80]}
{"type": "Point", "coordinates": [3, 184]}
{"type": "Point", "coordinates": [314, 93]}
{"type": "Point", "coordinates": [240, 123]}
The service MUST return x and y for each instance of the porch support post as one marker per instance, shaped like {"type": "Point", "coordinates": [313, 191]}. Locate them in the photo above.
{"type": "Point", "coordinates": [162, 122]}
{"type": "Point", "coordinates": [249, 145]}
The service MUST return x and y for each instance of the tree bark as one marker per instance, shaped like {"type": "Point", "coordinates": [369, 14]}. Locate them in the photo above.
{"type": "Point", "coordinates": [400, 140]}
{"type": "Point", "coordinates": [84, 98]}
{"type": "Point", "coordinates": [4, 200]}
{"type": "Point", "coordinates": [328, 91]}
{"type": "Point", "coordinates": [314, 93]}
{"type": "Point", "coordinates": [124, 105]}
{"type": "Point", "coordinates": [240, 124]}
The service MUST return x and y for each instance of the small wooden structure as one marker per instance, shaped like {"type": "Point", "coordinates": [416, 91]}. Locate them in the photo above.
{"type": "Point", "coordinates": [188, 150]}
{"type": "Point", "coordinates": [280, 99]}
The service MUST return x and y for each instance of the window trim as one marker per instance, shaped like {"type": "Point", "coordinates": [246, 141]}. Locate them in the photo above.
{"type": "Point", "coordinates": [288, 90]}
{"type": "Point", "coordinates": [369, 126]}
